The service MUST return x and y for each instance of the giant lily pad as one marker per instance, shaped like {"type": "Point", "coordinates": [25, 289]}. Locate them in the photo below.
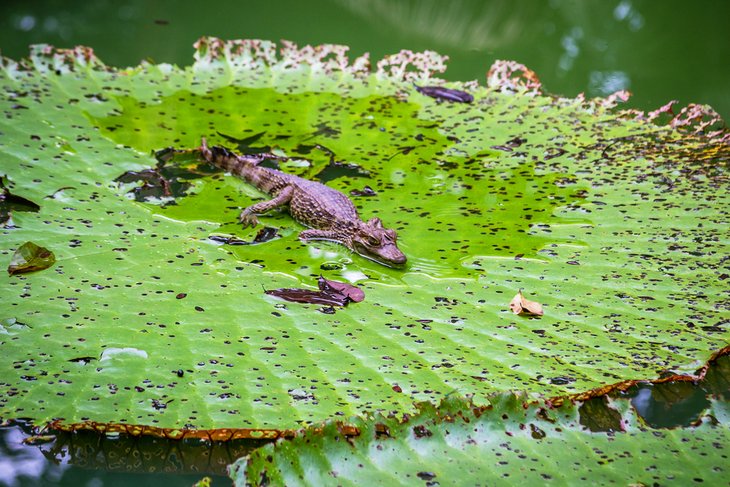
{"type": "Point", "coordinates": [504, 443]}
{"type": "Point", "coordinates": [615, 225]}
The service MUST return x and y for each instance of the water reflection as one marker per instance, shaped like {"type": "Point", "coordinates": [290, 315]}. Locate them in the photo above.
{"type": "Point", "coordinates": [88, 460]}
{"type": "Point", "coordinates": [625, 12]}
{"type": "Point", "coordinates": [564, 41]}
{"type": "Point", "coordinates": [21, 465]}
{"type": "Point", "coordinates": [461, 24]}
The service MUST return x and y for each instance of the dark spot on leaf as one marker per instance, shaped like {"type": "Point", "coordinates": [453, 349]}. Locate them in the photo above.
{"type": "Point", "coordinates": [536, 432]}
{"type": "Point", "coordinates": [561, 381]}
{"type": "Point", "coordinates": [365, 191]}
{"type": "Point", "coordinates": [426, 475]}
{"type": "Point", "coordinates": [421, 431]}
{"type": "Point", "coordinates": [82, 360]}
{"type": "Point", "coordinates": [331, 266]}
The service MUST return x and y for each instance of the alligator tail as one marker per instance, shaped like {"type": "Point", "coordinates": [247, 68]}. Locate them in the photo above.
{"type": "Point", "coordinates": [228, 161]}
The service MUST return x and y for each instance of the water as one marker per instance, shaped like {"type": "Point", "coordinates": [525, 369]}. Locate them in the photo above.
{"type": "Point", "coordinates": [661, 51]}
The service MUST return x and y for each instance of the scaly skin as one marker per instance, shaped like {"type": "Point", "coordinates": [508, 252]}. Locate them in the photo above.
{"type": "Point", "coordinates": [329, 214]}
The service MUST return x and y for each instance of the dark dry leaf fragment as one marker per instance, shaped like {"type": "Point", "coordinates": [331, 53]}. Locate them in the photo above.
{"type": "Point", "coordinates": [519, 305]}
{"type": "Point", "coordinates": [441, 93]}
{"type": "Point", "coordinates": [355, 294]}
{"type": "Point", "coordinates": [308, 296]}
{"type": "Point", "coordinates": [331, 293]}
{"type": "Point", "coordinates": [30, 257]}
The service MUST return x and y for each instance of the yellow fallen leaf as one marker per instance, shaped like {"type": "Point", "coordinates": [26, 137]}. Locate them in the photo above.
{"type": "Point", "coordinates": [520, 305]}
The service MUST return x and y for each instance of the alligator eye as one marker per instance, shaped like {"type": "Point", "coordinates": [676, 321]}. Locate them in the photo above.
{"type": "Point", "coordinates": [373, 242]}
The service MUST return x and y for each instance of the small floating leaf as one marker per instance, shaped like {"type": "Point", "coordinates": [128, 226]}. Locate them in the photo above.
{"type": "Point", "coordinates": [30, 257]}
{"type": "Point", "coordinates": [520, 305]}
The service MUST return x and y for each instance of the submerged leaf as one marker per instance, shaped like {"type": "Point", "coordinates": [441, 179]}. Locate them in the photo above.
{"type": "Point", "coordinates": [30, 257]}
{"type": "Point", "coordinates": [520, 305]}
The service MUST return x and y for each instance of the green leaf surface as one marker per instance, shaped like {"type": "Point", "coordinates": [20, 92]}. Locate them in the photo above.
{"type": "Point", "coordinates": [599, 218]}
{"type": "Point", "coordinates": [509, 443]}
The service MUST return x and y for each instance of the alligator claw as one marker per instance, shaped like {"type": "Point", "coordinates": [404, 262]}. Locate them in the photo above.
{"type": "Point", "coordinates": [248, 219]}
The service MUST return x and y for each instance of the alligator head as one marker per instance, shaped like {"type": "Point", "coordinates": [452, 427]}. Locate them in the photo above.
{"type": "Point", "coordinates": [373, 241]}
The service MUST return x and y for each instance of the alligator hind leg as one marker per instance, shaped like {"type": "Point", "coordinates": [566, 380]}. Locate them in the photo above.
{"type": "Point", "coordinates": [248, 215]}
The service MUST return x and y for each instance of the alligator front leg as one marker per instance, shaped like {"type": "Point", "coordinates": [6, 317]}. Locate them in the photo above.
{"type": "Point", "coordinates": [248, 215]}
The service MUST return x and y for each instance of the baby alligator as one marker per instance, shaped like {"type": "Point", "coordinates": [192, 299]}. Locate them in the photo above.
{"type": "Point", "coordinates": [329, 214]}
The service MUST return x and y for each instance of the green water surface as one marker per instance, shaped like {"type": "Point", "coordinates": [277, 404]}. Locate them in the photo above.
{"type": "Point", "coordinates": [661, 51]}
